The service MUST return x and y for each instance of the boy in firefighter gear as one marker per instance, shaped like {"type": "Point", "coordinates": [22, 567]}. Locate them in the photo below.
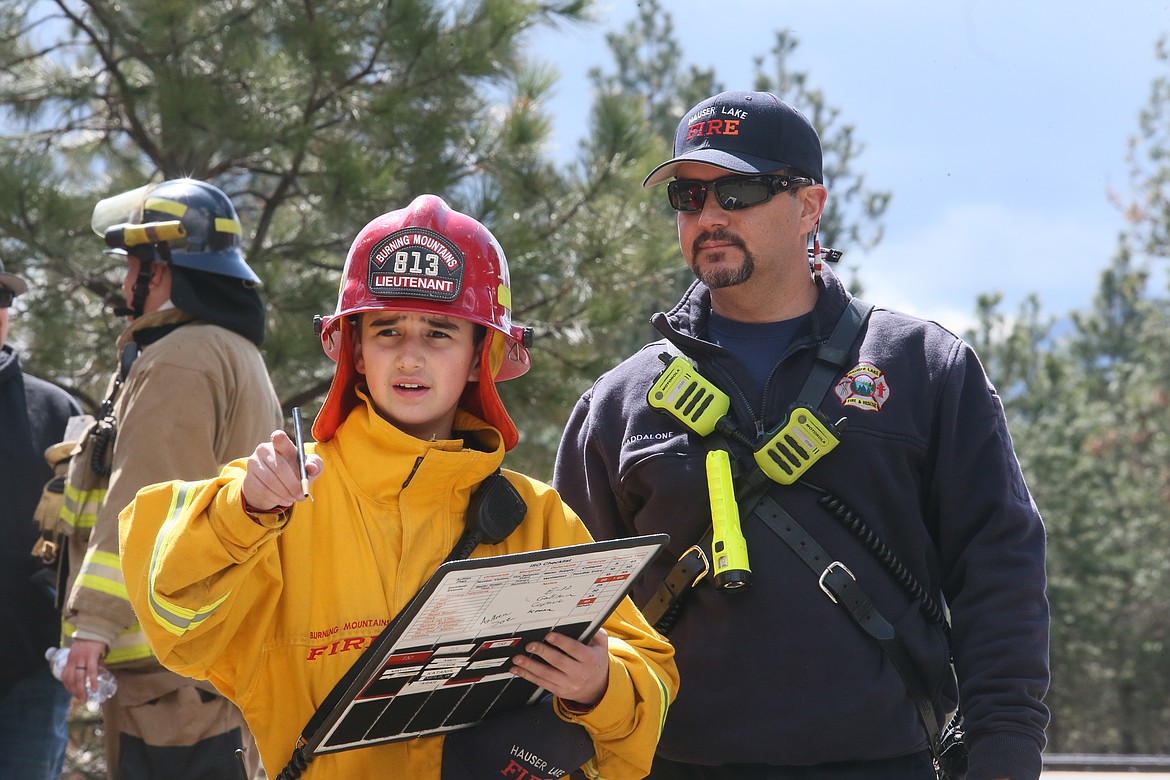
{"type": "Point", "coordinates": [191, 393]}
{"type": "Point", "coordinates": [273, 597]}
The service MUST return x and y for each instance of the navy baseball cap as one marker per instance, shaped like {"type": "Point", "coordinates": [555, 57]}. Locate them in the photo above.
{"type": "Point", "coordinates": [744, 132]}
{"type": "Point", "coordinates": [532, 740]}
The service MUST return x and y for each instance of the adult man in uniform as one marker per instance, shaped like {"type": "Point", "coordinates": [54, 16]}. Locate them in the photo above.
{"type": "Point", "coordinates": [833, 658]}
{"type": "Point", "coordinates": [191, 393]}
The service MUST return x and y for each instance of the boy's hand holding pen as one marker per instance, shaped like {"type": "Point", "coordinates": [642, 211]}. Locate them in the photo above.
{"type": "Point", "coordinates": [280, 471]}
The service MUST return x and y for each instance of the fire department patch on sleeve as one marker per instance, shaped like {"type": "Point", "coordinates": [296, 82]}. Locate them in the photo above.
{"type": "Point", "coordinates": [416, 263]}
{"type": "Point", "coordinates": [864, 386]}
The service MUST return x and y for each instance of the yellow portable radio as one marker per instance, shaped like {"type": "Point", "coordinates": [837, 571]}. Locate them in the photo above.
{"type": "Point", "coordinates": [688, 396]}
{"type": "Point", "coordinates": [697, 403]}
{"type": "Point", "coordinates": [801, 442]}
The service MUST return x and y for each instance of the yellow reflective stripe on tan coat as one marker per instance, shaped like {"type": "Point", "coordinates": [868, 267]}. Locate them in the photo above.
{"type": "Point", "coordinates": [102, 571]}
{"type": "Point", "coordinates": [81, 507]}
{"type": "Point", "coordinates": [129, 645]}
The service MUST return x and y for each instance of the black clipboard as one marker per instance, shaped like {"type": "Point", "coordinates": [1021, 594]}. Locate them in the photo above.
{"type": "Point", "coordinates": [442, 664]}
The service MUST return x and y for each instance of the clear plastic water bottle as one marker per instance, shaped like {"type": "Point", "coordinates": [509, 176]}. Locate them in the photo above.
{"type": "Point", "coordinates": [58, 657]}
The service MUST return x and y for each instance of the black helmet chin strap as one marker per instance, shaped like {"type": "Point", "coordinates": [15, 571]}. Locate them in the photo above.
{"type": "Point", "coordinates": [146, 257]}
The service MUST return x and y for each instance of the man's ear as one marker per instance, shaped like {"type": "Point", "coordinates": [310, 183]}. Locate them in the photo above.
{"type": "Point", "coordinates": [812, 201]}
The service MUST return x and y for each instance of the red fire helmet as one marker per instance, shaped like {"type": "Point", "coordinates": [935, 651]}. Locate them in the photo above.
{"type": "Point", "coordinates": [427, 258]}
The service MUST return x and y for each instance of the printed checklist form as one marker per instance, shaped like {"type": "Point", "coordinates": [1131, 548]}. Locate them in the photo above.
{"type": "Point", "coordinates": [443, 663]}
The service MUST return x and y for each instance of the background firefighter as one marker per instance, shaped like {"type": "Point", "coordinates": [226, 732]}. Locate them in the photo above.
{"type": "Point", "coordinates": [191, 392]}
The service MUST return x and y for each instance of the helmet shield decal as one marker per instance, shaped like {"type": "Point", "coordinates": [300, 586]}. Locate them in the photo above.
{"type": "Point", "coordinates": [416, 263]}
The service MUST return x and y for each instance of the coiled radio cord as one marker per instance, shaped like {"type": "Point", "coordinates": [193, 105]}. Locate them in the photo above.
{"type": "Point", "coordinates": [885, 556]}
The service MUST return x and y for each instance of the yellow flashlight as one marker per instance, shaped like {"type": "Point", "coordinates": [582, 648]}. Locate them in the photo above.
{"type": "Point", "coordinates": [728, 547]}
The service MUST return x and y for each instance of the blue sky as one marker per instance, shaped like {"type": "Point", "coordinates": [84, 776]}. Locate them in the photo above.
{"type": "Point", "coordinates": [999, 126]}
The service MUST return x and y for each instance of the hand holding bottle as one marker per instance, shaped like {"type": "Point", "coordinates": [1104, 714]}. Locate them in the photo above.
{"type": "Point", "coordinates": [98, 683]}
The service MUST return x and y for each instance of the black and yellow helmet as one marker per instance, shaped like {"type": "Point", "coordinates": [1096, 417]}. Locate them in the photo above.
{"type": "Point", "coordinates": [195, 222]}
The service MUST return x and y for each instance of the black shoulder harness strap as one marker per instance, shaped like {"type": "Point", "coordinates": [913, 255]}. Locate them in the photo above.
{"type": "Point", "coordinates": [834, 578]}
{"type": "Point", "coordinates": [842, 588]}
{"type": "Point", "coordinates": [834, 353]}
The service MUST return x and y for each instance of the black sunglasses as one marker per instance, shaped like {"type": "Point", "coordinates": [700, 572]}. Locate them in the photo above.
{"type": "Point", "coordinates": [6, 298]}
{"type": "Point", "coordinates": [731, 192]}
